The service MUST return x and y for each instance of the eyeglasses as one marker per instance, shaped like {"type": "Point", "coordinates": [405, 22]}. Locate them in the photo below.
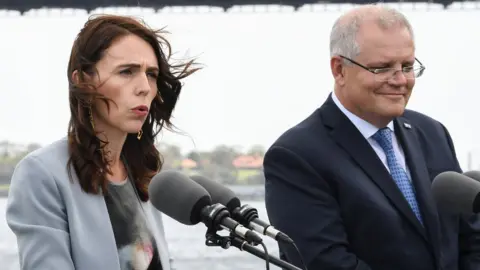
{"type": "Point", "coordinates": [385, 74]}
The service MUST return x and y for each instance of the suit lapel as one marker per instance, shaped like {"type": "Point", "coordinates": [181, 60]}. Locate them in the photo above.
{"type": "Point", "coordinates": [407, 135]}
{"type": "Point", "coordinates": [352, 141]}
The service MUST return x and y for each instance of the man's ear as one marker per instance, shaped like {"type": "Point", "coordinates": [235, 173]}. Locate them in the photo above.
{"type": "Point", "coordinates": [337, 67]}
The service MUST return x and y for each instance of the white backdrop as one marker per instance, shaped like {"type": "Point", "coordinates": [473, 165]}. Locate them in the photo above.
{"type": "Point", "coordinates": [264, 71]}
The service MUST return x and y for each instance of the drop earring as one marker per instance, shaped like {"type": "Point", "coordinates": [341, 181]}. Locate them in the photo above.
{"type": "Point", "coordinates": [139, 135]}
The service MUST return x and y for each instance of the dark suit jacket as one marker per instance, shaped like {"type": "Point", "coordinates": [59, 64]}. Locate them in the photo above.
{"type": "Point", "coordinates": [327, 189]}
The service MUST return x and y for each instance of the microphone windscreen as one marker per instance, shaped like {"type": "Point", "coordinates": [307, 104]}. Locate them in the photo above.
{"type": "Point", "coordinates": [473, 174]}
{"type": "Point", "coordinates": [178, 197]}
{"type": "Point", "coordinates": [218, 192]}
{"type": "Point", "coordinates": [455, 192]}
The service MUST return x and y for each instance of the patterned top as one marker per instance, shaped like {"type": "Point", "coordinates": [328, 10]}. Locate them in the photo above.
{"type": "Point", "coordinates": [135, 243]}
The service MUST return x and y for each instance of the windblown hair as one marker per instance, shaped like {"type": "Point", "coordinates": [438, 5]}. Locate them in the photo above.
{"type": "Point", "coordinates": [87, 155]}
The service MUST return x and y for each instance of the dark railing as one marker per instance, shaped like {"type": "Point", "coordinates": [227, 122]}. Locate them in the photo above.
{"type": "Point", "coordinates": [89, 5]}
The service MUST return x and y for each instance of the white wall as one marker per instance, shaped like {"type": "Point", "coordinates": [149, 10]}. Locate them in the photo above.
{"type": "Point", "coordinates": [263, 73]}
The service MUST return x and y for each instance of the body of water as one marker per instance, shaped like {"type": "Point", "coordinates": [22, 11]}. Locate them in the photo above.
{"type": "Point", "coordinates": [186, 243]}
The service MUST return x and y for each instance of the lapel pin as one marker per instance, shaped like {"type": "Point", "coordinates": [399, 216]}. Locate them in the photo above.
{"type": "Point", "coordinates": [407, 125]}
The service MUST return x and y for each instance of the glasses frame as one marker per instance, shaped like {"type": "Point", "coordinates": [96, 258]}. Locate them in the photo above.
{"type": "Point", "coordinates": [377, 71]}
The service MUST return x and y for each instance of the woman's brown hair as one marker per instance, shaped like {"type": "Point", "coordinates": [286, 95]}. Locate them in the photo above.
{"type": "Point", "coordinates": [86, 150]}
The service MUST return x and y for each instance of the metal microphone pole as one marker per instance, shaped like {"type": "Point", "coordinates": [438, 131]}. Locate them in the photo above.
{"type": "Point", "coordinates": [213, 239]}
{"type": "Point", "coordinates": [243, 245]}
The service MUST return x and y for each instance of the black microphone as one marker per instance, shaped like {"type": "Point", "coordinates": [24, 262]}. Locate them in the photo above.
{"type": "Point", "coordinates": [180, 198]}
{"type": "Point", "coordinates": [457, 193]}
{"type": "Point", "coordinates": [473, 174]}
{"type": "Point", "coordinates": [246, 215]}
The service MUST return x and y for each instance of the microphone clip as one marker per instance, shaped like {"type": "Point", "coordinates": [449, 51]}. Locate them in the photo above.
{"type": "Point", "coordinates": [212, 217]}
{"type": "Point", "coordinates": [215, 240]}
{"type": "Point", "coordinates": [217, 218]}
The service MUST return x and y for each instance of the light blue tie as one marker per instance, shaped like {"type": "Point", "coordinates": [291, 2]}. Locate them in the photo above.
{"type": "Point", "coordinates": [384, 138]}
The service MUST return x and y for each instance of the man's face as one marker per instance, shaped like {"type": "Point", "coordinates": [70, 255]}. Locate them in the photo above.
{"type": "Point", "coordinates": [378, 98]}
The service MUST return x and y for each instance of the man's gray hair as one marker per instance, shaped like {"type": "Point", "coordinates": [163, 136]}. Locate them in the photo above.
{"type": "Point", "coordinates": [343, 37]}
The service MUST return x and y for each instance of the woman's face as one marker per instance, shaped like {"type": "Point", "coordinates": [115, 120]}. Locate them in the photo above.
{"type": "Point", "coordinates": [127, 74]}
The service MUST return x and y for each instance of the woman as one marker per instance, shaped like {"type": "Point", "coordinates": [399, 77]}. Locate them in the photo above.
{"type": "Point", "coordinates": [82, 202]}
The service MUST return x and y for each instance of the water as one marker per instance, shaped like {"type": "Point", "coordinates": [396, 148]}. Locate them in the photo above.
{"type": "Point", "coordinates": [186, 243]}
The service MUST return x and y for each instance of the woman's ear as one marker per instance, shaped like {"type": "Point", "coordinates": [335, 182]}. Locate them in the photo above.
{"type": "Point", "coordinates": [75, 78]}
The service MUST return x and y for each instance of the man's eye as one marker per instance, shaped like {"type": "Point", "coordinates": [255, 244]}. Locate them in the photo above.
{"type": "Point", "coordinates": [126, 72]}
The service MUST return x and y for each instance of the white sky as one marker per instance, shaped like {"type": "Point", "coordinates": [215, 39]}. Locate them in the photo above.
{"type": "Point", "coordinates": [264, 72]}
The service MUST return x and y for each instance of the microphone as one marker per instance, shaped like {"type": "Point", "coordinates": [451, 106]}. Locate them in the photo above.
{"type": "Point", "coordinates": [473, 174]}
{"type": "Point", "coordinates": [457, 192]}
{"type": "Point", "coordinates": [180, 198]}
{"type": "Point", "coordinates": [246, 215]}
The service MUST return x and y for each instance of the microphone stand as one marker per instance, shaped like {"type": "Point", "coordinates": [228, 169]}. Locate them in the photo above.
{"type": "Point", "coordinates": [213, 239]}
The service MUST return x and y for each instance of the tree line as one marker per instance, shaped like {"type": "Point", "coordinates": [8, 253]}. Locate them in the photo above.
{"type": "Point", "coordinates": [224, 163]}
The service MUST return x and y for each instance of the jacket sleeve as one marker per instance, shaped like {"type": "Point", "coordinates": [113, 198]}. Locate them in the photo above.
{"type": "Point", "coordinates": [301, 204]}
{"type": "Point", "coordinates": [37, 216]}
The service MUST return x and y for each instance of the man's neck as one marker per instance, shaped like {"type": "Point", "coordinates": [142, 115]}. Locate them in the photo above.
{"type": "Point", "coordinates": [372, 118]}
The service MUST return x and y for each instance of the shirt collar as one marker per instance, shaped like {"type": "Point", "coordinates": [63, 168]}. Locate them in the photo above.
{"type": "Point", "coordinates": [365, 128]}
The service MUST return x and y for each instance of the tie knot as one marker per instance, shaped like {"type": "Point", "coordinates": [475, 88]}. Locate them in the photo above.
{"type": "Point", "coordinates": [384, 138]}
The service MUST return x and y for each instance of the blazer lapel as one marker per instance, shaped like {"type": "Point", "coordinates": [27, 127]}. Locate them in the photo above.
{"type": "Point", "coordinates": [407, 135]}
{"type": "Point", "coordinates": [154, 218]}
{"type": "Point", "coordinates": [352, 141]}
{"type": "Point", "coordinates": [95, 225]}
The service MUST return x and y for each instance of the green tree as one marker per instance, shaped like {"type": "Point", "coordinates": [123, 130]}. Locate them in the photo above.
{"type": "Point", "coordinates": [224, 155]}
{"type": "Point", "coordinates": [256, 150]}
{"type": "Point", "coordinates": [172, 155]}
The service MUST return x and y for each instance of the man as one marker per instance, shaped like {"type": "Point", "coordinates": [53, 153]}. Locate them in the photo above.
{"type": "Point", "coordinates": [351, 183]}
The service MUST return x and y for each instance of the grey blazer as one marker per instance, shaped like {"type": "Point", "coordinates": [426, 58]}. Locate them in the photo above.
{"type": "Point", "coordinates": [57, 225]}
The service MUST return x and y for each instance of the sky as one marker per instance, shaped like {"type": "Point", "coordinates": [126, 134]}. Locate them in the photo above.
{"type": "Point", "coordinates": [263, 72]}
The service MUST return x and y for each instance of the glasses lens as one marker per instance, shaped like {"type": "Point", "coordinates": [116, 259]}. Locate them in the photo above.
{"type": "Point", "coordinates": [409, 74]}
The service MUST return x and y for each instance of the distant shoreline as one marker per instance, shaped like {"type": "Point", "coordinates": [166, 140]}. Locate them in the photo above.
{"type": "Point", "coordinates": [250, 193]}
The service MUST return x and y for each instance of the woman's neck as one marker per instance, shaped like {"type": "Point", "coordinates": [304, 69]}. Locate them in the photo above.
{"type": "Point", "coordinates": [112, 151]}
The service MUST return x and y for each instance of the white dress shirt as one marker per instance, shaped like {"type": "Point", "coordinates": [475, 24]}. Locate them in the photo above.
{"type": "Point", "coordinates": [368, 130]}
